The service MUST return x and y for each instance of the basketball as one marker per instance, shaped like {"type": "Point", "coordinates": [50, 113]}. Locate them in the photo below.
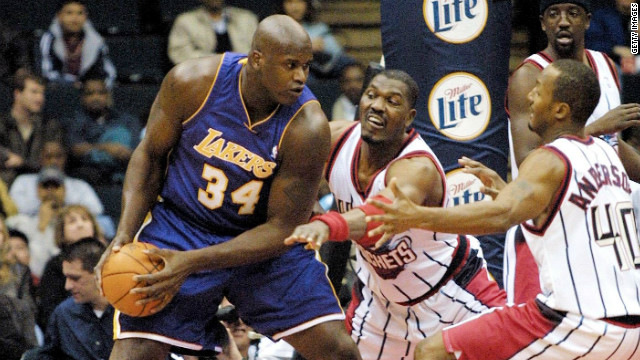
{"type": "Point", "coordinates": [117, 277]}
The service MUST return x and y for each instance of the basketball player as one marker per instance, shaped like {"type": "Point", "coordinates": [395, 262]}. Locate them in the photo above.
{"type": "Point", "coordinates": [578, 220]}
{"type": "Point", "coordinates": [420, 281]}
{"type": "Point", "coordinates": [565, 23]}
{"type": "Point", "coordinates": [231, 163]}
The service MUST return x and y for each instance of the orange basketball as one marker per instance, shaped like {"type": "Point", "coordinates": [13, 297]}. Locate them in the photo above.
{"type": "Point", "coordinates": [117, 277]}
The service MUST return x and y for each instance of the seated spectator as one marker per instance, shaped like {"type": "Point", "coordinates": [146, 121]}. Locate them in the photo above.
{"type": "Point", "coordinates": [101, 138]}
{"type": "Point", "coordinates": [73, 223]}
{"type": "Point", "coordinates": [15, 52]}
{"type": "Point", "coordinates": [609, 31]}
{"type": "Point", "coordinates": [328, 55]}
{"type": "Point", "coordinates": [72, 49]}
{"type": "Point", "coordinates": [18, 247]}
{"type": "Point", "coordinates": [77, 191]}
{"type": "Point", "coordinates": [81, 327]}
{"type": "Point", "coordinates": [23, 131]}
{"type": "Point", "coordinates": [211, 28]}
{"type": "Point", "coordinates": [7, 205]}
{"type": "Point", "coordinates": [13, 340]}
{"type": "Point", "coordinates": [351, 81]}
{"type": "Point", "coordinates": [15, 294]}
{"type": "Point", "coordinates": [39, 227]}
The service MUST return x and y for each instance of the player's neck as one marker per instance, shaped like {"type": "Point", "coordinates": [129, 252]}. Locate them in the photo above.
{"type": "Point", "coordinates": [553, 134]}
{"type": "Point", "coordinates": [578, 54]}
{"type": "Point", "coordinates": [374, 156]}
{"type": "Point", "coordinates": [259, 105]}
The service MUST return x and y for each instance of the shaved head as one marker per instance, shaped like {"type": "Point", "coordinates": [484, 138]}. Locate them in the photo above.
{"type": "Point", "coordinates": [280, 33]}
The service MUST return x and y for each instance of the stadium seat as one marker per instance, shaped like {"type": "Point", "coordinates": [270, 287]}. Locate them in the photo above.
{"type": "Point", "coordinates": [115, 16]}
{"type": "Point", "coordinates": [135, 99]}
{"type": "Point", "coordinates": [139, 58]}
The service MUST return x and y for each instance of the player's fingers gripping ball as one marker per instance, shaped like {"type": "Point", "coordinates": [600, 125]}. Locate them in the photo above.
{"type": "Point", "coordinates": [117, 278]}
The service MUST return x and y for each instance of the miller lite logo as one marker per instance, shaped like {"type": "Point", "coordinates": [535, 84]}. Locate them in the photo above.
{"type": "Point", "coordinates": [460, 106]}
{"type": "Point", "coordinates": [464, 188]}
{"type": "Point", "coordinates": [456, 21]}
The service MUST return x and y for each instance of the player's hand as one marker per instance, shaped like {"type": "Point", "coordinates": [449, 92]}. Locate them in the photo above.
{"type": "Point", "coordinates": [401, 215]}
{"type": "Point", "coordinates": [163, 285]}
{"type": "Point", "coordinates": [492, 182]}
{"type": "Point", "coordinates": [617, 119]}
{"type": "Point", "coordinates": [313, 234]}
{"type": "Point", "coordinates": [116, 244]}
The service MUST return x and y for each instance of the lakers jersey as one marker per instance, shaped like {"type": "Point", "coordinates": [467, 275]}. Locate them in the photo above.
{"type": "Point", "coordinates": [220, 171]}
{"type": "Point", "coordinates": [588, 251]}
{"type": "Point", "coordinates": [411, 263]}
{"type": "Point", "coordinates": [609, 91]}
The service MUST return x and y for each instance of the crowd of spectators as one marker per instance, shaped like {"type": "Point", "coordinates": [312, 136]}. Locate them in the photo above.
{"type": "Point", "coordinates": [69, 124]}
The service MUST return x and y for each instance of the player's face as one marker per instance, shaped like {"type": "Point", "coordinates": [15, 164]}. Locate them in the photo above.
{"type": "Point", "coordinates": [80, 282]}
{"type": "Point", "coordinates": [77, 225]}
{"type": "Point", "coordinates": [72, 17]}
{"type": "Point", "coordinates": [285, 73]}
{"type": "Point", "coordinates": [18, 251]}
{"type": "Point", "coordinates": [541, 101]}
{"type": "Point", "coordinates": [384, 110]}
{"type": "Point", "coordinates": [565, 25]}
{"type": "Point", "coordinates": [31, 98]}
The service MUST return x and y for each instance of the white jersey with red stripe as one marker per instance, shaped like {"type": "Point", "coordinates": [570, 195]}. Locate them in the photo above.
{"type": "Point", "coordinates": [587, 250]}
{"type": "Point", "coordinates": [609, 91]}
{"type": "Point", "coordinates": [411, 263]}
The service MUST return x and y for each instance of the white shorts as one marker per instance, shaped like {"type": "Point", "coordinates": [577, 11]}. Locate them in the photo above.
{"type": "Point", "coordinates": [386, 330]}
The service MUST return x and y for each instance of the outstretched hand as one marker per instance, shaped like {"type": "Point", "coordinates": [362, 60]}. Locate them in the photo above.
{"type": "Point", "coordinates": [617, 119]}
{"type": "Point", "coordinates": [164, 284]}
{"type": "Point", "coordinates": [313, 234]}
{"type": "Point", "coordinates": [492, 182]}
{"type": "Point", "coordinates": [401, 215]}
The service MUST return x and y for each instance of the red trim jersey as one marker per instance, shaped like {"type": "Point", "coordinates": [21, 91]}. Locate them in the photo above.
{"type": "Point", "coordinates": [587, 250]}
{"type": "Point", "coordinates": [413, 262]}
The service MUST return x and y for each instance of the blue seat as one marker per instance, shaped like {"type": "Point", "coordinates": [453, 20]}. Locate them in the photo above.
{"type": "Point", "coordinates": [139, 58]}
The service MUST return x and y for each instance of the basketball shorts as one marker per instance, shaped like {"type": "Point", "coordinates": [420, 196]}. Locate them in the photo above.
{"type": "Point", "coordinates": [534, 331]}
{"type": "Point", "coordinates": [277, 297]}
{"type": "Point", "coordinates": [387, 330]}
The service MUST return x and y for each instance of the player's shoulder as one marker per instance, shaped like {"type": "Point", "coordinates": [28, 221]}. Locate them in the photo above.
{"type": "Point", "coordinates": [194, 71]}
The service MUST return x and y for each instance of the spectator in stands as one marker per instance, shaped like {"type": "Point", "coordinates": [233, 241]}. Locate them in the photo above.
{"type": "Point", "coordinates": [101, 138]}
{"type": "Point", "coordinates": [211, 28]}
{"type": "Point", "coordinates": [23, 131]}
{"type": "Point", "coordinates": [351, 81]}
{"type": "Point", "coordinates": [77, 191]}
{"type": "Point", "coordinates": [13, 341]}
{"type": "Point", "coordinates": [74, 223]}
{"type": "Point", "coordinates": [328, 56]}
{"type": "Point", "coordinates": [72, 49]}
{"type": "Point", "coordinates": [15, 52]}
{"type": "Point", "coordinates": [39, 227]}
{"type": "Point", "coordinates": [7, 205]}
{"type": "Point", "coordinates": [15, 294]}
{"type": "Point", "coordinates": [81, 327]}
{"type": "Point", "coordinates": [609, 30]}
{"type": "Point", "coordinates": [18, 247]}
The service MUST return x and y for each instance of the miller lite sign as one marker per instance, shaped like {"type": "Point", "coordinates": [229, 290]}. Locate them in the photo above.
{"type": "Point", "coordinates": [456, 21]}
{"type": "Point", "coordinates": [464, 188]}
{"type": "Point", "coordinates": [460, 106]}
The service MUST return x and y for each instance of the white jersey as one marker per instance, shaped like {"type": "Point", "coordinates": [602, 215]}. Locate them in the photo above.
{"type": "Point", "coordinates": [588, 251]}
{"type": "Point", "coordinates": [609, 91]}
{"type": "Point", "coordinates": [412, 263]}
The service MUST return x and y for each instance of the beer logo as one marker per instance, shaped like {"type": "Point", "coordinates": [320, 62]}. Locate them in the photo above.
{"type": "Point", "coordinates": [464, 188]}
{"type": "Point", "coordinates": [456, 21]}
{"type": "Point", "coordinates": [460, 106]}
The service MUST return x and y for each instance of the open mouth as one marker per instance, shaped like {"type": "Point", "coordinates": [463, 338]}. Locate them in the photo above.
{"type": "Point", "coordinates": [375, 121]}
{"type": "Point", "coordinates": [564, 38]}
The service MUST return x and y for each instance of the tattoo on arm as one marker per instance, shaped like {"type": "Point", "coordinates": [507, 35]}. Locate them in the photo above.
{"type": "Point", "coordinates": [293, 191]}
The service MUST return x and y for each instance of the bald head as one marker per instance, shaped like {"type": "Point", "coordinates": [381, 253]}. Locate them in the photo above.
{"type": "Point", "coordinates": [278, 33]}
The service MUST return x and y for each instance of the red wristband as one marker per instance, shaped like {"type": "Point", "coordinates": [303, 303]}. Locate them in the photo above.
{"type": "Point", "coordinates": [369, 209]}
{"type": "Point", "coordinates": [338, 227]}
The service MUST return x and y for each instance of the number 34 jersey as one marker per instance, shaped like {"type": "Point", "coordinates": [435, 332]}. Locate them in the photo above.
{"type": "Point", "coordinates": [220, 172]}
{"type": "Point", "coordinates": [587, 250]}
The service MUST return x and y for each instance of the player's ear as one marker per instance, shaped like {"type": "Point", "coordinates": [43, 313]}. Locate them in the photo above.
{"type": "Point", "coordinates": [562, 111]}
{"type": "Point", "coordinates": [256, 58]}
{"type": "Point", "coordinates": [410, 118]}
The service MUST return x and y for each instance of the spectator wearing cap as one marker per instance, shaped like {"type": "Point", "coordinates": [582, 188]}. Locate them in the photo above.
{"type": "Point", "coordinates": [77, 191]}
{"type": "Point", "coordinates": [39, 227]}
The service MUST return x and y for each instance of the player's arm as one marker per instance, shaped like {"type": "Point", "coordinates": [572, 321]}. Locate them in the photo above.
{"type": "Point", "coordinates": [304, 150]}
{"type": "Point", "coordinates": [520, 84]}
{"type": "Point", "coordinates": [630, 155]}
{"type": "Point", "coordinates": [527, 197]}
{"type": "Point", "coordinates": [615, 120]}
{"type": "Point", "coordinates": [419, 179]}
